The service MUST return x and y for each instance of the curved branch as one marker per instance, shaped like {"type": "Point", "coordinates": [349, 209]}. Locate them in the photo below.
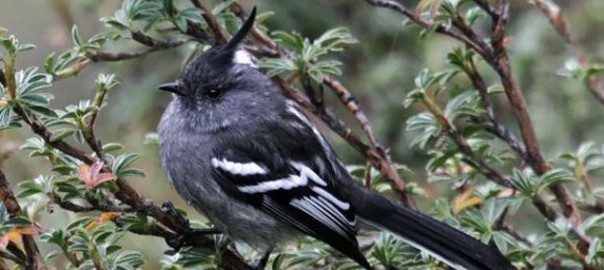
{"type": "Point", "coordinates": [34, 259]}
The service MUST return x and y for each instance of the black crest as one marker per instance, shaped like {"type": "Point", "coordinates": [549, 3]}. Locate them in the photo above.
{"type": "Point", "coordinates": [218, 57]}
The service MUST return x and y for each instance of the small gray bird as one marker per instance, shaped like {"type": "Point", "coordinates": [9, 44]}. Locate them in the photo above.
{"type": "Point", "coordinates": [250, 160]}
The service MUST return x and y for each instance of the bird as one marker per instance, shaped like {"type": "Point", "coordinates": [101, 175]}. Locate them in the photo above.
{"type": "Point", "coordinates": [250, 160]}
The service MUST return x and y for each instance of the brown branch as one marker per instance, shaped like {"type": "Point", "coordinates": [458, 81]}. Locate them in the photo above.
{"type": "Point", "coordinates": [489, 172]}
{"type": "Point", "coordinates": [496, 128]}
{"type": "Point", "coordinates": [558, 21]}
{"type": "Point", "coordinates": [99, 56]}
{"type": "Point", "coordinates": [120, 56]}
{"type": "Point", "coordinates": [34, 260]}
{"type": "Point", "coordinates": [506, 227]}
{"type": "Point", "coordinates": [500, 62]}
{"type": "Point", "coordinates": [484, 5]}
{"type": "Point", "coordinates": [382, 161]}
{"type": "Point", "coordinates": [397, 7]}
{"type": "Point", "coordinates": [88, 130]}
{"type": "Point", "coordinates": [207, 15]}
{"type": "Point", "coordinates": [15, 250]}
{"type": "Point", "coordinates": [126, 194]}
{"type": "Point", "coordinates": [373, 152]}
{"type": "Point", "coordinates": [11, 257]}
{"type": "Point", "coordinates": [339, 127]}
{"type": "Point", "coordinates": [496, 56]}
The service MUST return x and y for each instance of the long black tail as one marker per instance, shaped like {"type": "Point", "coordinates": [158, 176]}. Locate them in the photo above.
{"type": "Point", "coordinates": [453, 247]}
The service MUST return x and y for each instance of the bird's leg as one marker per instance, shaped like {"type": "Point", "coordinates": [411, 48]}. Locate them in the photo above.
{"type": "Point", "coordinates": [261, 264]}
{"type": "Point", "coordinates": [182, 239]}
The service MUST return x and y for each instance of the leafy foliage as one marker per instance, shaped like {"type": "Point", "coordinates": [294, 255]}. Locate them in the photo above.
{"type": "Point", "coordinates": [484, 169]}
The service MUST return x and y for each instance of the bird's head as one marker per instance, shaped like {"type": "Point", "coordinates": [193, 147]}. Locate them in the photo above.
{"type": "Point", "coordinates": [221, 78]}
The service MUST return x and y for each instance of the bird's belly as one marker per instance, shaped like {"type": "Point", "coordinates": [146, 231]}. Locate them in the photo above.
{"type": "Point", "coordinates": [239, 221]}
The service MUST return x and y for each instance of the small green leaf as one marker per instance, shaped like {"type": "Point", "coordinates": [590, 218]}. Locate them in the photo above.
{"type": "Point", "coordinates": [75, 36]}
{"type": "Point", "coordinates": [120, 164]}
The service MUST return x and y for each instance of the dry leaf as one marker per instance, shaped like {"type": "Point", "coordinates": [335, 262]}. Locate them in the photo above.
{"type": "Point", "coordinates": [465, 200]}
{"type": "Point", "coordinates": [15, 235]}
{"type": "Point", "coordinates": [104, 217]}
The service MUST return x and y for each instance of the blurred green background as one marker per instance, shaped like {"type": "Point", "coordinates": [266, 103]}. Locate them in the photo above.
{"type": "Point", "coordinates": [379, 71]}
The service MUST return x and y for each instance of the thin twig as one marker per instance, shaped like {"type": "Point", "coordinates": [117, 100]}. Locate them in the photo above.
{"type": "Point", "coordinates": [397, 7]}
{"type": "Point", "coordinates": [484, 5]}
{"type": "Point", "coordinates": [489, 172]}
{"type": "Point", "coordinates": [558, 21]}
{"type": "Point", "coordinates": [506, 227]}
{"type": "Point", "coordinates": [207, 15]}
{"type": "Point", "coordinates": [13, 258]}
{"type": "Point", "coordinates": [496, 128]}
{"type": "Point", "coordinates": [157, 45]}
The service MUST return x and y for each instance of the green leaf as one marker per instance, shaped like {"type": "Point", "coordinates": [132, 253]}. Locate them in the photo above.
{"type": "Point", "coordinates": [120, 164]}
{"type": "Point", "coordinates": [523, 182]}
{"type": "Point", "coordinates": [112, 147]}
{"type": "Point", "coordinates": [17, 222]}
{"type": "Point", "coordinates": [75, 36]}
{"type": "Point", "coordinates": [292, 41]}
{"type": "Point", "coordinates": [5, 116]}
{"type": "Point", "coordinates": [554, 177]}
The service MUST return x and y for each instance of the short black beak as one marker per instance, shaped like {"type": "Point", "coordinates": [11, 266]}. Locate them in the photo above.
{"type": "Point", "coordinates": [173, 87]}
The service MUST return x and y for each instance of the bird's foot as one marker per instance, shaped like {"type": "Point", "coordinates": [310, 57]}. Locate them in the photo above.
{"type": "Point", "coordinates": [261, 263]}
{"type": "Point", "coordinates": [171, 211]}
{"type": "Point", "coordinates": [189, 233]}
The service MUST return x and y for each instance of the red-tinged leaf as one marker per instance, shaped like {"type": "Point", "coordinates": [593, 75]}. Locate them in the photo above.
{"type": "Point", "coordinates": [92, 176]}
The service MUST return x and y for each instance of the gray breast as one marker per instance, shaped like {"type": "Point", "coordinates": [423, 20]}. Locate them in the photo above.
{"type": "Point", "coordinates": [186, 160]}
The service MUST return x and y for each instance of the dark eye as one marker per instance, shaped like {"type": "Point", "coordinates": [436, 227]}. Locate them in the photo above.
{"type": "Point", "coordinates": [213, 93]}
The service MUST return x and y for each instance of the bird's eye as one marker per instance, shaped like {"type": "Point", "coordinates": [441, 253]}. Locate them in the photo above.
{"type": "Point", "coordinates": [213, 93]}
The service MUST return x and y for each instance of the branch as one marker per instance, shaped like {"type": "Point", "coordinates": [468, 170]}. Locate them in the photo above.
{"type": "Point", "coordinates": [452, 132]}
{"type": "Point", "coordinates": [207, 15]}
{"type": "Point", "coordinates": [476, 45]}
{"type": "Point", "coordinates": [13, 258]}
{"type": "Point", "coordinates": [500, 62]}
{"type": "Point", "coordinates": [496, 128]}
{"type": "Point", "coordinates": [126, 194]}
{"type": "Point", "coordinates": [373, 152]}
{"type": "Point", "coordinates": [99, 56]}
{"type": "Point", "coordinates": [506, 227]}
{"type": "Point", "coordinates": [34, 260]}
{"type": "Point", "coordinates": [496, 56]}
{"type": "Point", "coordinates": [557, 20]}
{"type": "Point", "coordinates": [339, 127]}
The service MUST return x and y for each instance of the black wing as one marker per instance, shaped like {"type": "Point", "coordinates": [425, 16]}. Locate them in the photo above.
{"type": "Point", "coordinates": [285, 169]}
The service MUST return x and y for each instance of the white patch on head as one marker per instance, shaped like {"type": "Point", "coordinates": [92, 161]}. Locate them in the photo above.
{"type": "Point", "coordinates": [235, 168]}
{"type": "Point", "coordinates": [244, 58]}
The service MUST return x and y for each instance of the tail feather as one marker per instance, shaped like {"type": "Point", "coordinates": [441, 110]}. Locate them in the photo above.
{"type": "Point", "coordinates": [453, 247]}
